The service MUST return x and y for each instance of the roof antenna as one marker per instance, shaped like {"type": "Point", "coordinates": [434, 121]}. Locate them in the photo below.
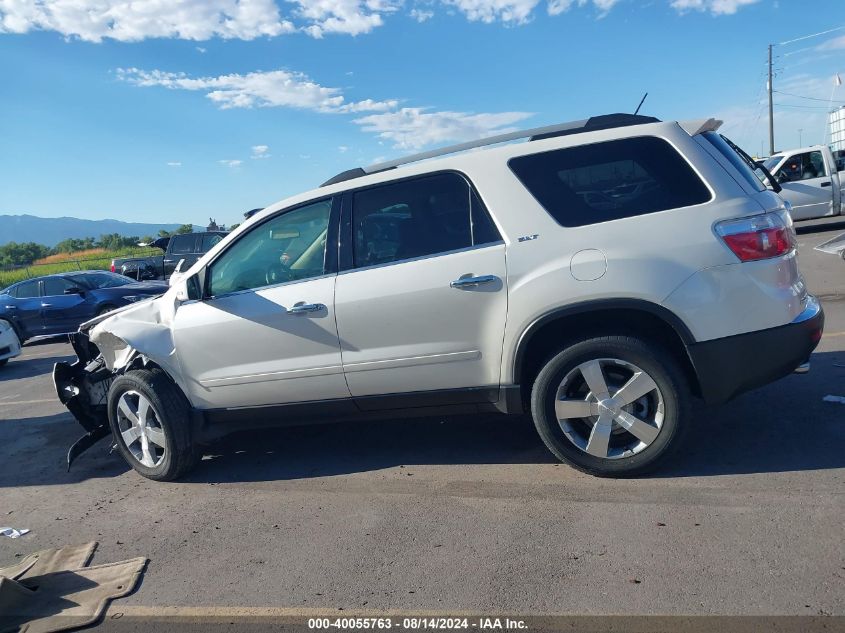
{"type": "Point", "coordinates": [637, 111]}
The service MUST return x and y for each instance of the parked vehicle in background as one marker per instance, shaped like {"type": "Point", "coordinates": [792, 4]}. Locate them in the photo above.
{"type": "Point", "coordinates": [59, 304]}
{"type": "Point", "coordinates": [811, 181]}
{"type": "Point", "coordinates": [187, 246]}
{"type": "Point", "coordinates": [599, 275]}
{"type": "Point", "coordinates": [10, 345]}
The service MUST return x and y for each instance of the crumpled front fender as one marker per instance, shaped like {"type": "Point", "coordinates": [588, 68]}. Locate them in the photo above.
{"type": "Point", "coordinates": [143, 329]}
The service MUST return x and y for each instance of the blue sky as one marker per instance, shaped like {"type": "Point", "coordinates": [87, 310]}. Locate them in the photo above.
{"type": "Point", "coordinates": [177, 111]}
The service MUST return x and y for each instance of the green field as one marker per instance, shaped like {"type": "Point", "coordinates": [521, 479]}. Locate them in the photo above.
{"type": "Point", "coordinates": [101, 262]}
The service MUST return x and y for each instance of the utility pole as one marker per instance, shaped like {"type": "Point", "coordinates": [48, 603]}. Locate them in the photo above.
{"type": "Point", "coordinates": [800, 142]}
{"type": "Point", "coordinates": [771, 108]}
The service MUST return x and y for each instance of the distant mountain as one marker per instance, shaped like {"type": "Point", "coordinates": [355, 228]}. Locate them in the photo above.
{"type": "Point", "coordinates": [51, 231]}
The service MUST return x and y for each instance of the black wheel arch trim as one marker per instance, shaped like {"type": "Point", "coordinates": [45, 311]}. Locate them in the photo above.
{"type": "Point", "coordinates": [598, 305]}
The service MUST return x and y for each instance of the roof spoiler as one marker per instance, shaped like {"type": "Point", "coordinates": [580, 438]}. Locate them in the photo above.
{"type": "Point", "coordinates": [700, 126]}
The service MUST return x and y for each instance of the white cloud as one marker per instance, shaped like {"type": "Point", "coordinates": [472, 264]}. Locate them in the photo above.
{"type": "Point", "coordinates": [174, 163]}
{"type": "Point", "coordinates": [230, 162]}
{"type": "Point", "coordinates": [134, 20]}
{"type": "Point", "coordinates": [404, 127]}
{"type": "Point", "coordinates": [509, 11]}
{"type": "Point", "coordinates": [260, 151]}
{"type": "Point", "coordinates": [413, 128]}
{"type": "Point", "coordinates": [342, 149]}
{"type": "Point", "coordinates": [833, 44]}
{"type": "Point", "coordinates": [352, 17]}
{"type": "Point", "coordinates": [280, 88]}
{"type": "Point", "coordinates": [521, 11]}
{"type": "Point", "coordinates": [421, 15]}
{"type": "Point", "coordinates": [716, 7]}
{"type": "Point", "coordinates": [200, 49]}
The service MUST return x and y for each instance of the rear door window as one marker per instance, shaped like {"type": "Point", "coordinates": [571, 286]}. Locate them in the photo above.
{"type": "Point", "coordinates": [609, 181]}
{"type": "Point", "coordinates": [416, 218]}
{"type": "Point", "coordinates": [56, 286]}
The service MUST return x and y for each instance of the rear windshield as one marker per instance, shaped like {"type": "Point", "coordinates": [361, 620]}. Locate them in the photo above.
{"type": "Point", "coordinates": [730, 151]}
{"type": "Point", "coordinates": [609, 181]}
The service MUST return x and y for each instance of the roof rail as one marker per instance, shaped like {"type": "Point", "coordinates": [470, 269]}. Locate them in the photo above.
{"type": "Point", "coordinates": [601, 122]}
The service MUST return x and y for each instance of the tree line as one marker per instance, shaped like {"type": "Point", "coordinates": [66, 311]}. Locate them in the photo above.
{"type": "Point", "coordinates": [21, 254]}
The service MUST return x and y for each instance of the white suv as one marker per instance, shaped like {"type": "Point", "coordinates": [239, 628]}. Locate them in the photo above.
{"type": "Point", "coordinates": [599, 275]}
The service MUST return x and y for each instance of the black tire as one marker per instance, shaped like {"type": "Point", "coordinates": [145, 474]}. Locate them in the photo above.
{"type": "Point", "coordinates": [172, 412]}
{"type": "Point", "coordinates": [661, 366]}
{"type": "Point", "coordinates": [104, 309]}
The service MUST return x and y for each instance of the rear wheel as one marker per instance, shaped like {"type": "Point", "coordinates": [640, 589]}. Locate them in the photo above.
{"type": "Point", "coordinates": [612, 405]}
{"type": "Point", "coordinates": [150, 421]}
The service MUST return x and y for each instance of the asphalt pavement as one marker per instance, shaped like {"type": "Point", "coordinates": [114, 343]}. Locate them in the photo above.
{"type": "Point", "coordinates": [459, 514]}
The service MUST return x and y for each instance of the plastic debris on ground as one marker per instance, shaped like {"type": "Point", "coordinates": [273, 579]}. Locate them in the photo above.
{"type": "Point", "coordinates": [12, 532]}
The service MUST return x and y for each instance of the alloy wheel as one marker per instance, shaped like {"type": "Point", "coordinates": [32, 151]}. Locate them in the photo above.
{"type": "Point", "coordinates": [609, 408]}
{"type": "Point", "coordinates": [140, 429]}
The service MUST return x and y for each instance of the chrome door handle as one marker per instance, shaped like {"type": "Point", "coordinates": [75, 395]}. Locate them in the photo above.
{"type": "Point", "coordinates": [825, 184]}
{"type": "Point", "coordinates": [301, 308]}
{"type": "Point", "coordinates": [472, 282]}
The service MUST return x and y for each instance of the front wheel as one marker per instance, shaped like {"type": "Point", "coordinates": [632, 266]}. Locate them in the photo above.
{"type": "Point", "coordinates": [150, 422]}
{"type": "Point", "coordinates": [611, 406]}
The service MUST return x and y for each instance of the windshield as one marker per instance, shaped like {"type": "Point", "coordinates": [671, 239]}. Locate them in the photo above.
{"type": "Point", "coordinates": [772, 162]}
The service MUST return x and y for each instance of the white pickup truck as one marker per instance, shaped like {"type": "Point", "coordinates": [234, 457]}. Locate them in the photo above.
{"type": "Point", "coordinates": [811, 181]}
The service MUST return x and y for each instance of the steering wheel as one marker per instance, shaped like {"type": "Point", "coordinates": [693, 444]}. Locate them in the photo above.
{"type": "Point", "coordinates": [276, 274]}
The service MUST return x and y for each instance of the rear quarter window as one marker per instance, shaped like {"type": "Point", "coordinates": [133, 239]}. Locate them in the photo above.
{"type": "Point", "coordinates": [608, 181]}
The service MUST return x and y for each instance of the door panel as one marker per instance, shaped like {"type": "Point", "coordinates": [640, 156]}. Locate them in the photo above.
{"type": "Point", "coordinates": [247, 349]}
{"type": "Point", "coordinates": [62, 313]}
{"type": "Point", "coordinates": [808, 198]}
{"type": "Point", "coordinates": [404, 328]}
{"type": "Point", "coordinates": [26, 308]}
{"type": "Point", "coordinates": [266, 333]}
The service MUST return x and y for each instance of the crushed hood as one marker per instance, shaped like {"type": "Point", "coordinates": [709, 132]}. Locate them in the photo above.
{"type": "Point", "coordinates": [140, 328]}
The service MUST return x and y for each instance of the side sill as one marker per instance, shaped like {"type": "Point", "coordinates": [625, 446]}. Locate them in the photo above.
{"type": "Point", "coordinates": [215, 423]}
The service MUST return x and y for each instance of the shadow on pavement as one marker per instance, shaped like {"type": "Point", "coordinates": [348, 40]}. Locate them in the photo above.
{"type": "Point", "coordinates": [782, 427]}
{"type": "Point", "coordinates": [35, 451]}
{"type": "Point", "coordinates": [806, 228]}
{"type": "Point", "coordinates": [785, 426]}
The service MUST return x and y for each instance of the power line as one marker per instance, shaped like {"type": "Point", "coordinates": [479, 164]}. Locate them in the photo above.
{"type": "Point", "coordinates": [789, 94]}
{"type": "Point", "coordinates": [805, 107]}
{"type": "Point", "coordinates": [806, 37]}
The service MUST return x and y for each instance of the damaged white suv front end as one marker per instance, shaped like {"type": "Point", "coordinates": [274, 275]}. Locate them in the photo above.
{"type": "Point", "coordinates": [107, 346]}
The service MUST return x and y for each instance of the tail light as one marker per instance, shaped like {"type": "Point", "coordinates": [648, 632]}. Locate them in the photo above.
{"type": "Point", "coordinates": [757, 237]}
{"type": "Point", "coordinates": [112, 266]}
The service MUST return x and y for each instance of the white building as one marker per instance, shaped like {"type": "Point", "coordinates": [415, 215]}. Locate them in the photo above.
{"type": "Point", "coordinates": [837, 129]}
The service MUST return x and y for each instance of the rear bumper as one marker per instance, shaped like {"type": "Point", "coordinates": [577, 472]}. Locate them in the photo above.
{"type": "Point", "coordinates": [727, 367]}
